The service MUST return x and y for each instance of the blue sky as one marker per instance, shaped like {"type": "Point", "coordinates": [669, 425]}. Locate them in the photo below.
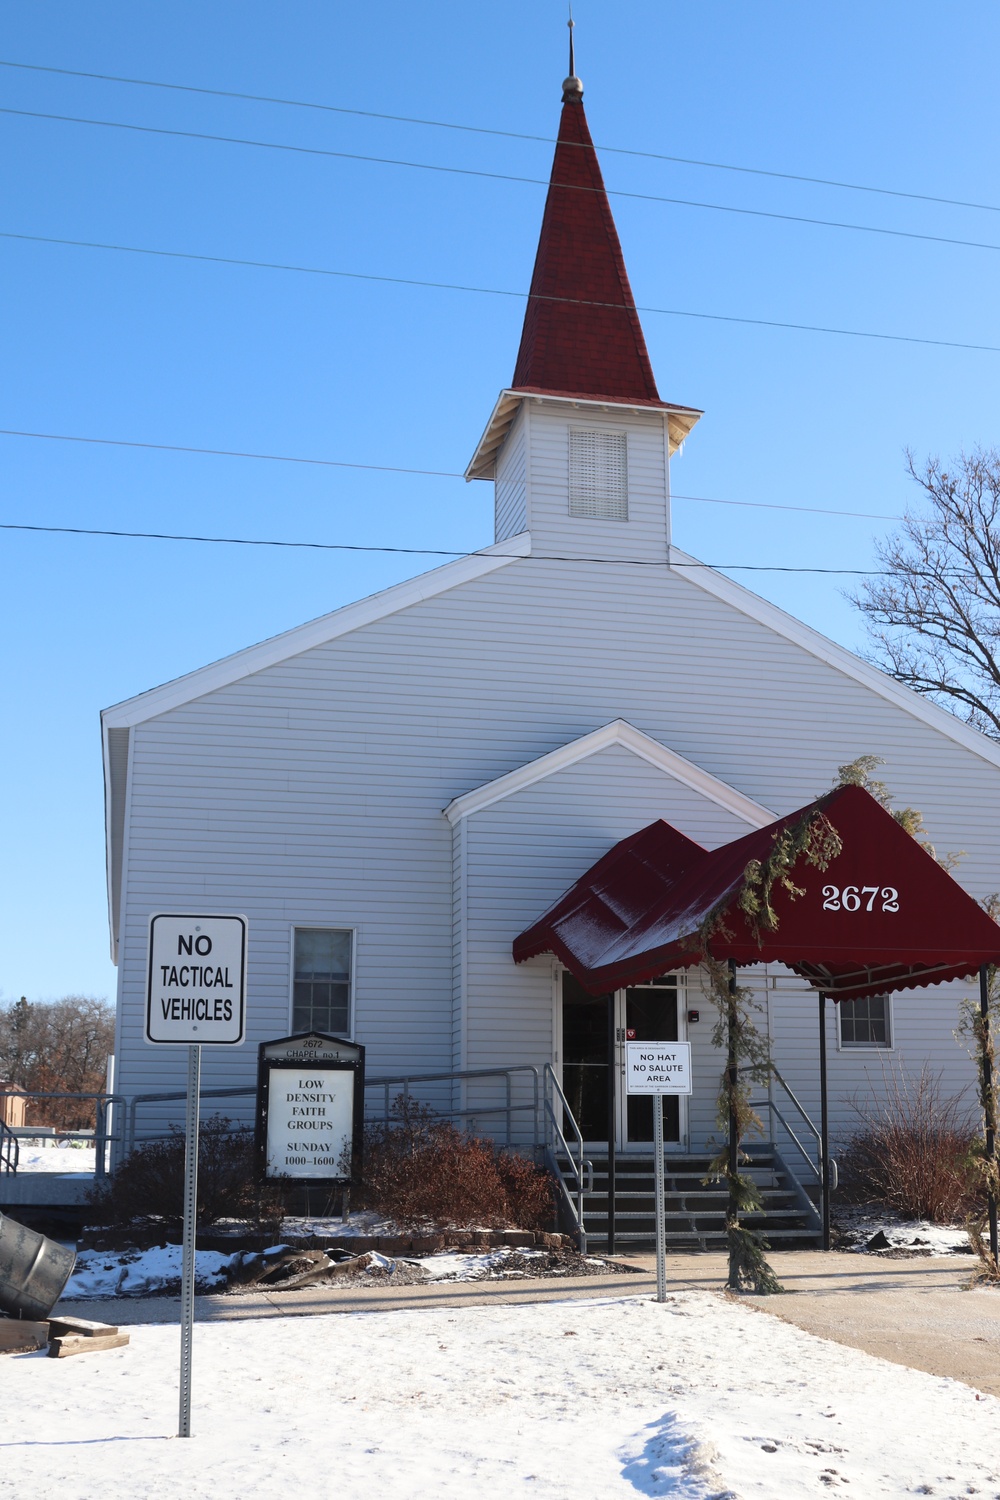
{"type": "Point", "coordinates": [109, 344]}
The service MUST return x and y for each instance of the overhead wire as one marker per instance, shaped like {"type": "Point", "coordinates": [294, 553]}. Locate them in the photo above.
{"type": "Point", "coordinates": [516, 135]}
{"type": "Point", "coordinates": [393, 161]}
{"type": "Point", "coordinates": [492, 291]}
{"type": "Point", "coordinates": [455, 553]}
{"type": "Point", "coordinates": [336, 463]}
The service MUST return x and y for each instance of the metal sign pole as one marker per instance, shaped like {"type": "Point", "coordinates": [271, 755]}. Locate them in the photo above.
{"type": "Point", "coordinates": [661, 1228]}
{"type": "Point", "coordinates": [190, 1216]}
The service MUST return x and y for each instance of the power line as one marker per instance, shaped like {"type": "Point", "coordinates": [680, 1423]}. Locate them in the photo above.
{"type": "Point", "coordinates": [285, 458]}
{"type": "Point", "coordinates": [516, 135]}
{"type": "Point", "coordinates": [423, 166]}
{"type": "Point", "coordinates": [491, 291]}
{"type": "Point", "coordinates": [275, 458]}
{"type": "Point", "coordinates": [243, 541]}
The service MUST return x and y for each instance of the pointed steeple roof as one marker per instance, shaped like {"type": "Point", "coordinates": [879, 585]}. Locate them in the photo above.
{"type": "Point", "coordinates": [581, 335]}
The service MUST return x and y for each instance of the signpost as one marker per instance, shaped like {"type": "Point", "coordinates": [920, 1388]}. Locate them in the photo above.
{"type": "Point", "coordinates": [195, 997]}
{"type": "Point", "coordinates": [310, 1109]}
{"type": "Point", "coordinates": [658, 1068]}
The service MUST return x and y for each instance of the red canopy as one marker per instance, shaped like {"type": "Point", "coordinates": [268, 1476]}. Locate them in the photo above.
{"type": "Point", "coordinates": [883, 916]}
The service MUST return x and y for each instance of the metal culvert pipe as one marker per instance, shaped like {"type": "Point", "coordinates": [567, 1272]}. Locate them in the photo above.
{"type": "Point", "coordinates": [33, 1271]}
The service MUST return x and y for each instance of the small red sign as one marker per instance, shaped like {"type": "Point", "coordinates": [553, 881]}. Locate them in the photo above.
{"type": "Point", "coordinates": [630, 1034]}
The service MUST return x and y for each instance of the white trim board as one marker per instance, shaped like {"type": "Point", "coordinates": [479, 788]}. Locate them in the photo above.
{"type": "Point", "coordinates": [751, 604]}
{"type": "Point", "coordinates": [618, 732]}
{"type": "Point", "coordinates": [290, 643]}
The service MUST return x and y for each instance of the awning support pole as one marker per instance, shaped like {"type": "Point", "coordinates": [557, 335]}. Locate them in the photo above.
{"type": "Point", "coordinates": [612, 1119]}
{"type": "Point", "coordinates": [824, 1124]}
{"type": "Point", "coordinates": [732, 1068]}
{"type": "Point", "coordinates": [991, 1143]}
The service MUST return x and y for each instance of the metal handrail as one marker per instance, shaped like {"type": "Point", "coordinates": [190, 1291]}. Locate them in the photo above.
{"type": "Point", "coordinates": [9, 1149]}
{"type": "Point", "coordinates": [103, 1103]}
{"type": "Point", "coordinates": [464, 1075]}
{"type": "Point", "coordinates": [404, 1082]}
{"type": "Point", "coordinates": [815, 1165]}
{"type": "Point", "coordinates": [583, 1184]}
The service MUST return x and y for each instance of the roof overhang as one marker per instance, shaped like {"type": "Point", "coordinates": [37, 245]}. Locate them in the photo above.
{"type": "Point", "coordinates": [680, 420]}
{"type": "Point", "coordinates": [881, 914]}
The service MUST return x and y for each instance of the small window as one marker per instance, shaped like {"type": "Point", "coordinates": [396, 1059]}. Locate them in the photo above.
{"type": "Point", "coordinates": [321, 980]}
{"type": "Point", "coordinates": [865, 1023]}
{"type": "Point", "coordinates": [598, 474]}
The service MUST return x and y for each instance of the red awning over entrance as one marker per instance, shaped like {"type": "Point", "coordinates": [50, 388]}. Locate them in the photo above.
{"type": "Point", "coordinates": [883, 915]}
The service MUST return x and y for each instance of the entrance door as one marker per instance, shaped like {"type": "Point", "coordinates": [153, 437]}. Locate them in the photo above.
{"type": "Point", "coordinates": [649, 1013]}
{"type": "Point", "coordinates": [594, 1031]}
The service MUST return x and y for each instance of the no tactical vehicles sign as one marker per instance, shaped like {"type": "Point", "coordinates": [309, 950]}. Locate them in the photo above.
{"type": "Point", "coordinates": [197, 980]}
{"type": "Point", "coordinates": [658, 1067]}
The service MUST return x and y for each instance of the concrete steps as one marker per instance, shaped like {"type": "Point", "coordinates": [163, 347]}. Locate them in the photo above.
{"type": "Point", "coordinates": [695, 1211]}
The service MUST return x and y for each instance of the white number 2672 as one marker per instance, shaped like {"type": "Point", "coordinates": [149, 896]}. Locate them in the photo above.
{"type": "Point", "coordinates": [860, 898]}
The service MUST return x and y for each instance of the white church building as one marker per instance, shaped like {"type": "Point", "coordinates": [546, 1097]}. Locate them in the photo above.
{"type": "Point", "coordinates": [392, 793]}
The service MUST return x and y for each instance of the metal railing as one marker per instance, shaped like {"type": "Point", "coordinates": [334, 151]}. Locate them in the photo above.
{"type": "Point", "coordinates": [100, 1136]}
{"type": "Point", "coordinates": [407, 1086]}
{"type": "Point", "coordinates": [392, 1086]}
{"type": "Point", "coordinates": [9, 1148]}
{"type": "Point", "coordinates": [813, 1159]}
{"type": "Point", "coordinates": [556, 1145]}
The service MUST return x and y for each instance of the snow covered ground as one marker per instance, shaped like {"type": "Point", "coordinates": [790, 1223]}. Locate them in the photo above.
{"type": "Point", "coordinates": [861, 1222]}
{"type": "Point", "coordinates": [141, 1273]}
{"type": "Point", "coordinates": [67, 1156]}
{"type": "Point", "coordinates": [157, 1271]}
{"type": "Point", "coordinates": [595, 1400]}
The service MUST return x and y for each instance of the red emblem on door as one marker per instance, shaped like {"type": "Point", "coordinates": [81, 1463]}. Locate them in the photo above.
{"type": "Point", "coordinates": [630, 1034]}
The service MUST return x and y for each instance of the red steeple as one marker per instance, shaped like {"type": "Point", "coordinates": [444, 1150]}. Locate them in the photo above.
{"type": "Point", "coordinates": [589, 343]}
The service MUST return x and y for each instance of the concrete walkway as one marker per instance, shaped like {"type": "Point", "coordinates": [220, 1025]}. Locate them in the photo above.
{"type": "Point", "coordinates": [913, 1312]}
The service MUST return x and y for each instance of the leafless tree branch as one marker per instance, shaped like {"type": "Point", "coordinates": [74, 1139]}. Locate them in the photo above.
{"type": "Point", "coordinates": [934, 614]}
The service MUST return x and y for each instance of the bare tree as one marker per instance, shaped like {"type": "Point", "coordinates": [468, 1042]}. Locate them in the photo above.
{"type": "Point", "coordinates": [935, 614]}
{"type": "Point", "coordinates": [59, 1046]}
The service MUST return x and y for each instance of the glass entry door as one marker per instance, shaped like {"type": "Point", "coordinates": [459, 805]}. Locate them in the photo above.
{"type": "Point", "coordinates": [594, 1031]}
{"type": "Point", "coordinates": [649, 1013]}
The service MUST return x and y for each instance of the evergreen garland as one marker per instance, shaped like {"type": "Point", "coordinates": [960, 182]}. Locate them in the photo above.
{"type": "Point", "coordinates": [748, 1052]}
{"type": "Point", "coordinates": [979, 1032]}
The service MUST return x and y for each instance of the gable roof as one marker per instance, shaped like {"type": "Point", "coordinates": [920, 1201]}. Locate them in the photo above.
{"type": "Point", "coordinates": [618, 732]}
{"type": "Point", "coordinates": [279, 648]}
{"type": "Point", "coordinates": [821, 646]}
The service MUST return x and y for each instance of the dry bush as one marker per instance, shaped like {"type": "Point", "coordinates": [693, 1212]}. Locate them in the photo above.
{"type": "Point", "coordinates": [913, 1150]}
{"type": "Point", "coordinates": [421, 1170]}
{"type": "Point", "coordinates": [148, 1186]}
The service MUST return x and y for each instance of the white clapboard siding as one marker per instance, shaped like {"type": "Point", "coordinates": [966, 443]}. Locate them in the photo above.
{"type": "Point", "coordinates": [511, 486]}
{"type": "Point", "coordinates": [553, 530]}
{"type": "Point", "coordinates": [312, 791]}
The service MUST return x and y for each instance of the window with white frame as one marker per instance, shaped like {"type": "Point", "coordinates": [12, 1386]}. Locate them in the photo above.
{"type": "Point", "coordinates": [598, 474]}
{"type": "Point", "coordinates": [321, 979]}
{"type": "Point", "coordinates": [865, 1023]}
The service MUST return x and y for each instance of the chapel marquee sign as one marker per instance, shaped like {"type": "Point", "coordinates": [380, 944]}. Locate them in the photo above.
{"type": "Point", "coordinates": [310, 1108]}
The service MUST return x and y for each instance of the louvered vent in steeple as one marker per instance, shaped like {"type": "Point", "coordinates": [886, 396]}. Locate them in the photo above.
{"type": "Point", "coordinates": [598, 474]}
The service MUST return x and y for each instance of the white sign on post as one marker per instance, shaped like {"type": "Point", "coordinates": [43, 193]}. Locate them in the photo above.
{"type": "Point", "coordinates": [195, 997]}
{"type": "Point", "coordinates": [196, 992]}
{"type": "Point", "coordinates": [658, 1067]}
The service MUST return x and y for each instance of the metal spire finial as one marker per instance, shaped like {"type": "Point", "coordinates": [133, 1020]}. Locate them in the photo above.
{"type": "Point", "coordinates": [572, 87]}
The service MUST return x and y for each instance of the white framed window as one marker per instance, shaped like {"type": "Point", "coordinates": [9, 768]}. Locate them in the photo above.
{"type": "Point", "coordinates": [322, 980]}
{"type": "Point", "coordinates": [865, 1023]}
{"type": "Point", "coordinates": [598, 474]}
